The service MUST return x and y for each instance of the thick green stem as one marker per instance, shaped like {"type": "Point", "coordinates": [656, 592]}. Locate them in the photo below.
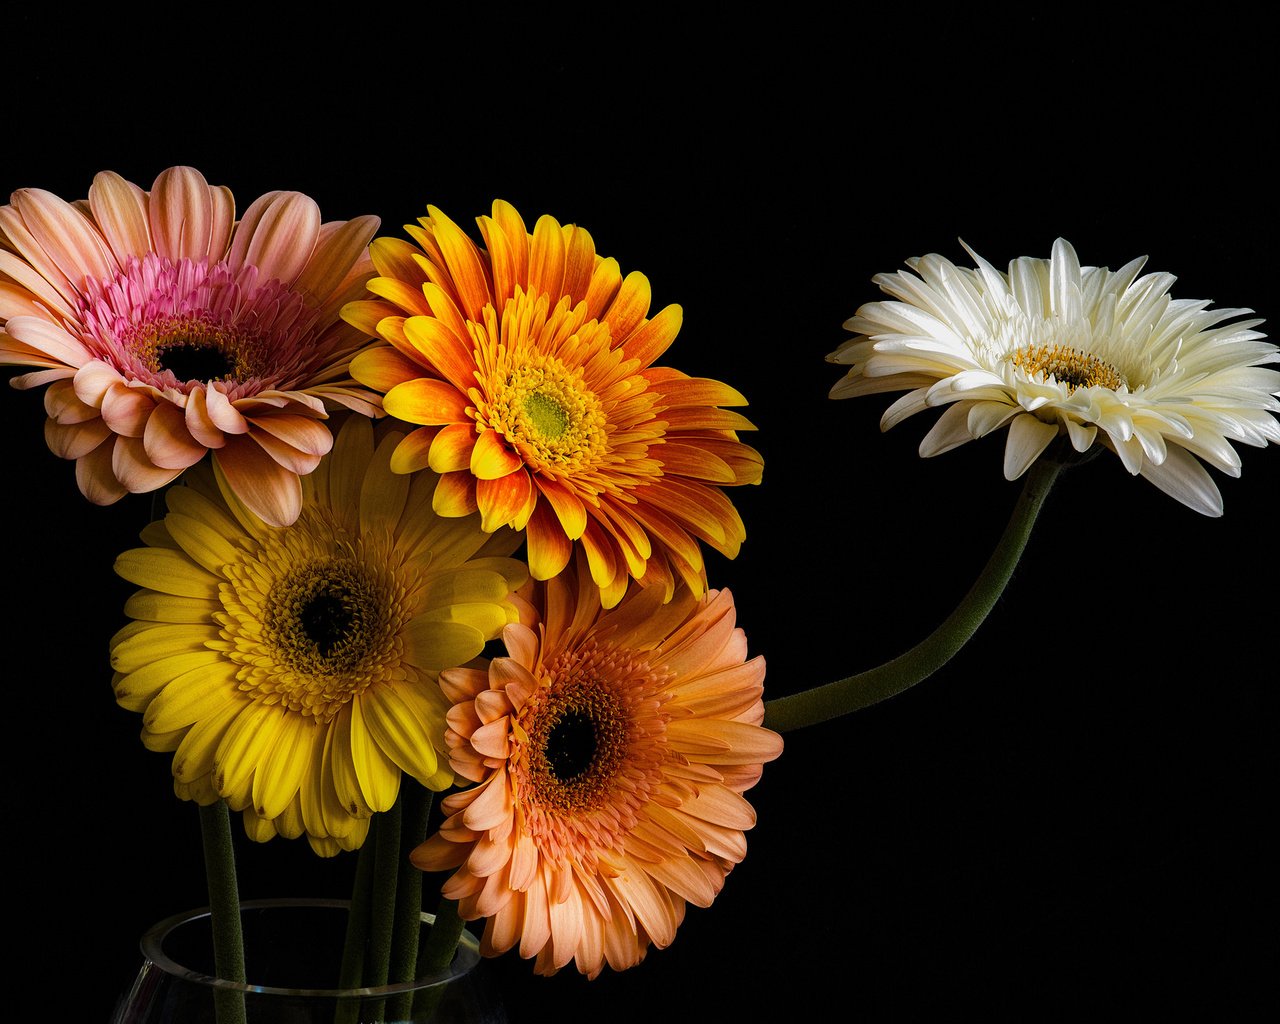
{"type": "Point", "coordinates": [856, 692]}
{"type": "Point", "coordinates": [437, 954]}
{"type": "Point", "coordinates": [224, 909]}
{"type": "Point", "coordinates": [386, 870]}
{"type": "Point", "coordinates": [408, 928]}
{"type": "Point", "coordinates": [352, 976]}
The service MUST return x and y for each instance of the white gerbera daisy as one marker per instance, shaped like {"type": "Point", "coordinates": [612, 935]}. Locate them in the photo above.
{"type": "Point", "coordinates": [1051, 348]}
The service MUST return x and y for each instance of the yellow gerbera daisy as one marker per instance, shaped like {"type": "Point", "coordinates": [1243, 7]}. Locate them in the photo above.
{"type": "Point", "coordinates": [292, 670]}
{"type": "Point", "coordinates": [611, 749]}
{"type": "Point", "coordinates": [529, 367]}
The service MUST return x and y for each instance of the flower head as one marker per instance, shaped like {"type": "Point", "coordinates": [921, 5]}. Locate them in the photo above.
{"type": "Point", "coordinates": [610, 751]}
{"type": "Point", "coordinates": [292, 670]}
{"type": "Point", "coordinates": [1053, 349]}
{"type": "Point", "coordinates": [165, 328]}
{"type": "Point", "coordinates": [529, 366]}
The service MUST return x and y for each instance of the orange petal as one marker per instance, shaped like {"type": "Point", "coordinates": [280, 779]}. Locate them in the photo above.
{"type": "Point", "coordinates": [568, 506]}
{"type": "Point", "coordinates": [452, 446]}
{"type": "Point", "coordinates": [649, 342]}
{"type": "Point", "coordinates": [427, 401]}
{"type": "Point", "coordinates": [549, 548]}
{"type": "Point", "coordinates": [411, 453]}
{"type": "Point", "coordinates": [546, 259]}
{"type": "Point", "coordinates": [455, 495]}
{"type": "Point", "coordinates": [383, 368]}
{"type": "Point", "coordinates": [464, 263]}
{"type": "Point", "coordinates": [449, 355]}
{"type": "Point", "coordinates": [502, 501]}
{"type": "Point", "coordinates": [492, 458]}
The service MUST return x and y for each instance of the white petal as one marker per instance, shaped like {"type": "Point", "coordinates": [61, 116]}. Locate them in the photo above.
{"type": "Point", "coordinates": [1028, 437]}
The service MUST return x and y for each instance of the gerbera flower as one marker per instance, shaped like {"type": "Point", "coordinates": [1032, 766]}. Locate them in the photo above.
{"type": "Point", "coordinates": [1052, 349]}
{"type": "Point", "coordinates": [610, 751]}
{"type": "Point", "coordinates": [529, 366]}
{"type": "Point", "coordinates": [292, 670]}
{"type": "Point", "coordinates": [164, 329]}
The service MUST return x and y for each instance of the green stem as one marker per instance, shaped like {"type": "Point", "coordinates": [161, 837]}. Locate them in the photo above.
{"type": "Point", "coordinates": [386, 869]}
{"type": "Point", "coordinates": [408, 927]}
{"type": "Point", "coordinates": [352, 976]}
{"type": "Point", "coordinates": [437, 953]}
{"type": "Point", "coordinates": [224, 910]}
{"type": "Point", "coordinates": [859, 691]}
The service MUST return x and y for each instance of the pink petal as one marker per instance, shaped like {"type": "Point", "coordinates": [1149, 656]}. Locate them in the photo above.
{"type": "Point", "coordinates": [277, 235]}
{"type": "Point", "coordinates": [182, 214]}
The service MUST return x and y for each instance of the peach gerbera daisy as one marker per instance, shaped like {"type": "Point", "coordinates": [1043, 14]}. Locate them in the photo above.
{"type": "Point", "coordinates": [166, 329]}
{"type": "Point", "coordinates": [611, 750]}
{"type": "Point", "coordinates": [529, 366]}
{"type": "Point", "coordinates": [292, 670]}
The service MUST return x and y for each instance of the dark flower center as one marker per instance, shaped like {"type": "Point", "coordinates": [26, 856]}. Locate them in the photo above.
{"type": "Point", "coordinates": [195, 360]}
{"type": "Point", "coordinates": [571, 745]}
{"type": "Point", "coordinates": [329, 619]}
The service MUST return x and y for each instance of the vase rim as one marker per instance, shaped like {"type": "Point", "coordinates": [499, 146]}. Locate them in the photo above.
{"type": "Point", "coordinates": [465, 958]}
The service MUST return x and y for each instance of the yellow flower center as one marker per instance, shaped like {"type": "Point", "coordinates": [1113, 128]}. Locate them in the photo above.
{"type": "Point", "coordinates": [1069, 366]}
{"type": "Point", "coordinates": [550, 415]}
{"type": "Point", "coordinates": [313, 619]}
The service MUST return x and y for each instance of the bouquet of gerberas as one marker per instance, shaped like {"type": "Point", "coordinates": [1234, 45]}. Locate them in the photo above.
{"type": "Point", "coordinates": [434, 522]}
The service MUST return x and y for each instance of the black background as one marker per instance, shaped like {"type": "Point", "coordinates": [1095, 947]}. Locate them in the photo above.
{"type": "Point", "coordinates": [1071, 814]}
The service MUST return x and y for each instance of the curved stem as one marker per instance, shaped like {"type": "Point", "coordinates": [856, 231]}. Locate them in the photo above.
{"type": "Point", "coordinates": [856, 692]}
{"type": "Point", "coordinates": [224, 909]}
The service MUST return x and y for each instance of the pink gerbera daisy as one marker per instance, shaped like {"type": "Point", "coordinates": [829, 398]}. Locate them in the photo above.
{"type": "Point", "coordinates": [165, 328]}
{"type": "Point", "coordinates": [610, 751]}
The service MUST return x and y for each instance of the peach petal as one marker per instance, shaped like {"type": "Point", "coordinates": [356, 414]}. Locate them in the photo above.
{"type": "Point", "coordinates": [167, 440]}
{"type": "Point", "coordinates": [222, 413]}
{"type": "Point", "coordinates": [134, 470]}
{"type": "Point", "coordinates": [277, 235]}
{"type": "Point", "coordinates": [182, 214]}
{"type": "Point", "coordinates": [75, 440]}
{"type": "Point", "coordinates": [199, 423]}
{"type": "Point", "coordinates": [339, 247]}
{"type": "Point", "coordinates": [126, 410]}
{"type": "Point", "coordinates": [267, 489]}
{"type": "Point", "coordinates": [31, 279]}
{"type": "Point", "coordinates": [66, 235]}
{"type": "Point", "coordinates": [120, 209]}
{"type": "Point", "coordinates": [48, 338]}
{"type": "Point", "coordinates": [63, 404]}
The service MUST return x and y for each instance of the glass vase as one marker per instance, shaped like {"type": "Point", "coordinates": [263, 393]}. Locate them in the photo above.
{"type": "Point", "coordinates": [293, 956]}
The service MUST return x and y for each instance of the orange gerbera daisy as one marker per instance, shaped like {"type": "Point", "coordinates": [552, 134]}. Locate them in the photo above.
{"type": "Point", "coordinates": [610, 751]}
{"type": "Point", "coordinates": [165, 329]}
{"type": "Point", "coordinates": [529, 367]}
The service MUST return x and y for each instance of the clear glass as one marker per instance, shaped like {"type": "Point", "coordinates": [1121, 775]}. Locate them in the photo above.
{"type": "Point", "coordinates": [293, 953]}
